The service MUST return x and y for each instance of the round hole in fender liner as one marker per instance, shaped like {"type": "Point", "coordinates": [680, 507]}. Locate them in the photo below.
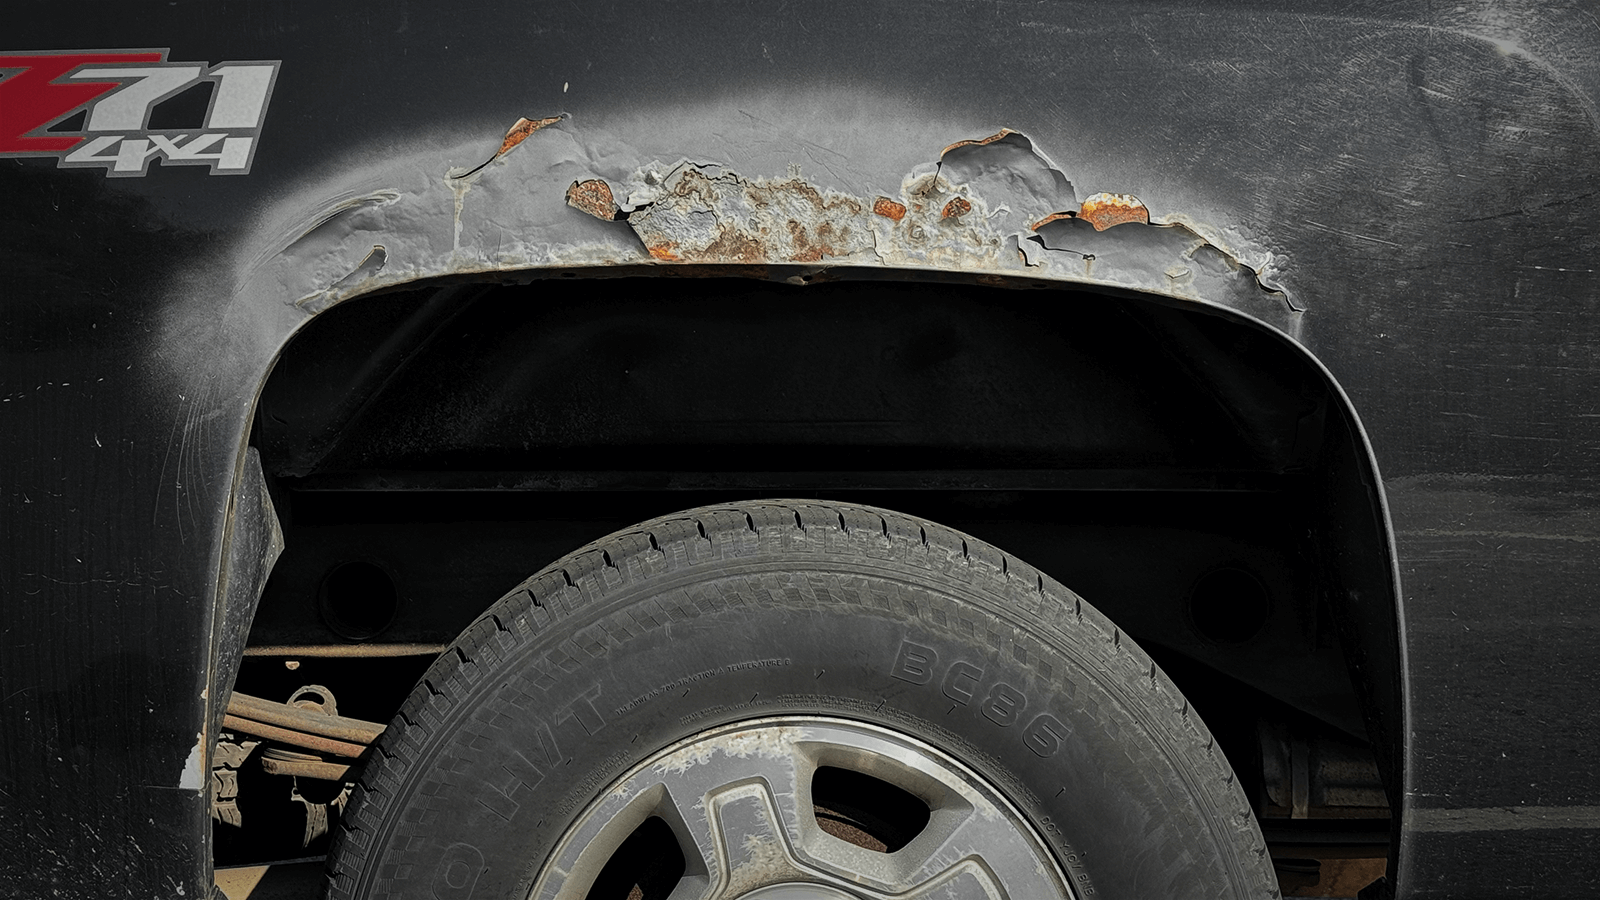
{"type": "Point", "coordinates": [1228, 605]}
{"type": "Point", "coordinates": [358, 600]}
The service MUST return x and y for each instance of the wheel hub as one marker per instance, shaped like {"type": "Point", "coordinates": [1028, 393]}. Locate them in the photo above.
{"type": "Point", "coordinates": [738, 801]}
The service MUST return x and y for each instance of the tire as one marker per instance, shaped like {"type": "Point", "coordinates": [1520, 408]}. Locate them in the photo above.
{"type": "Point", "coordinates": [713, 643]}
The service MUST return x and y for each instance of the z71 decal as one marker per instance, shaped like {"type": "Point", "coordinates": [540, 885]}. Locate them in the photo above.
{"type": "Point", "coordinates": [44, 94]}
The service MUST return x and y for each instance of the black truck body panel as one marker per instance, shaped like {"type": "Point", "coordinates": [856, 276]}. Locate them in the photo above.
{"type": "Point", "coordinates": [1404, 190]}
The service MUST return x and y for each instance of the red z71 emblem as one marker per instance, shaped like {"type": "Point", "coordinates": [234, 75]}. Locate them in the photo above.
{"type": "Point", "coordinates": [115, 91]}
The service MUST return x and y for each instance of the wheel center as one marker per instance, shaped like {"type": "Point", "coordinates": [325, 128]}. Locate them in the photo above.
{"type": "Point", "coordinates": [797, 891]}
{"type": "Point", "coordinates": [743, 799]}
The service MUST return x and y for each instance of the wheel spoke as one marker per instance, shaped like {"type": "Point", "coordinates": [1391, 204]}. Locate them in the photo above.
{"type": "Point", "coordinates": [966, 880]}
{"type": "Point", "coordinates": [585, 849]}
{"type": "Point", "coordinates": [966, 852]}
{"type": "Point", "coordinates": [736, 801]}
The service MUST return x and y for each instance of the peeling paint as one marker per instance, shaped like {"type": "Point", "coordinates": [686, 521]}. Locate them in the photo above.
{"type": "Point", "coordinates": [958, 206]}
{"type": "Point", "coordinates": [1105, 210]}
{"type": "Point", "coordinates": [593, 197]}
{"type": "Point", "coordinates": [1000, 135]}
{"type": "Point", "coordinates": [192, 777]}
{"type": "Point", "coordinates": [990, 203]}
{"type": "Point", "coordinates": [519, 132]}
{"type": "Point", "coordinates": [706, 214]}
{"type": "Point", "coordinates": [1017, 181]}
{"type": "Point", "coordinates": [515, 135]}
{"type": "Point", "coordinates": [889, 209]}
{"type": "Point", "coordinates": [994, 208]}
{"type": "Point", "coordinates": [709, 215]}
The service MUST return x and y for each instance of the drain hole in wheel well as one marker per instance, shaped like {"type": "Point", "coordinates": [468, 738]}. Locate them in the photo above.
{"type": "Point", "coordinates": [866, 811]}
{"type": "Point", "coordinates": [1229, 606]}
{"type": "Point", "coordinates": [358, 600]}
{"type": "Point", "coordinates": [647, 866]}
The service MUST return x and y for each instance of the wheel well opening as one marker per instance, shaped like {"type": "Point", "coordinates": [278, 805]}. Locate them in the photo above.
{"type": "Point", "coordinates": [1193, 474]}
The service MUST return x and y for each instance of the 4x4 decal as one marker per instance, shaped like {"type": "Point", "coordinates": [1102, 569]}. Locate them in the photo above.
{"type": "Point", "coordinates": [115, 90]}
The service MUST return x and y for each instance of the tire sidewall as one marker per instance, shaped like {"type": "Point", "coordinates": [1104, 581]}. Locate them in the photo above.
{"type": "Point", "coordinates": [1013, 683]}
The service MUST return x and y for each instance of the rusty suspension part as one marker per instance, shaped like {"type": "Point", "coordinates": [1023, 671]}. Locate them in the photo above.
{"type": "Point", "coordinates": [293, 738]}
{"type": "Point", "coordinates": [346, 651]}
{"type": "Point", "coordinates": [306, 768]}
{"type": "Point", "coordinates": [334, 735]}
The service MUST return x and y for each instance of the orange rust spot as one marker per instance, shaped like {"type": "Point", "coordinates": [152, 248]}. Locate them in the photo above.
{"type": "Point", "coordinates": [804, 249]}
{"type": "Point", "coordinates": [889, 209]}
{"type": "Point", "coordinates": [958, 206]}
{"type": "Point", "coordinates": [814, 247]}
{"type": "Point", "coordinates": [593, 197]}
{"type": "Point", "coordinates": [666, 251]}
{"type": "Point", "coordinates": [1053, 217]}
{"type": "Point", "coordinates": [1105, 210]}
{"type": "Point", "coordinates": [979, 142]}
{"type": "Point", "coordinates": [520, 131]}
{"type": "Point", "coordinates": [733, 245]}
